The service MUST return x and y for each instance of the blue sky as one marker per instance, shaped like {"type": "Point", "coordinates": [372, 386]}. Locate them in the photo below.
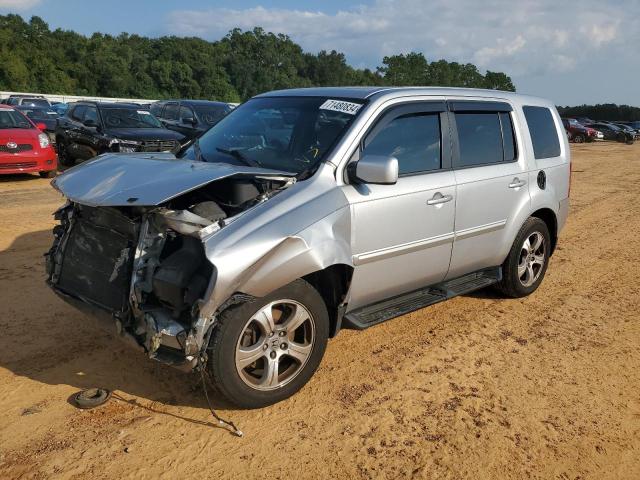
{"type": "Point", "coordinates": [570, 52]}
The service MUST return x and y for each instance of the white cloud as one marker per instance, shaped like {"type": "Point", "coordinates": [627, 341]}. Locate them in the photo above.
{"type": "Point", "coordinates": [503, 48]}
{"type": "Point", "coordinates": [18, 4]}
{"type": "Point", "coordinates": [600, 34]}
{"type": "Point", "coordinates": [522, 38]}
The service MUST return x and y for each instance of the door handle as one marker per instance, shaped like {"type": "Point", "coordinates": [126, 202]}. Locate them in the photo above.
{"type": "Point", "coordinates": [517, 183]}
{"type": "Point", "coordinates": [438, 198]}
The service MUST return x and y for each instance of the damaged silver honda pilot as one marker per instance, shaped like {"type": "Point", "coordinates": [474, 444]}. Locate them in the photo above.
{"type": "Point", "coordinates": [306, 211]}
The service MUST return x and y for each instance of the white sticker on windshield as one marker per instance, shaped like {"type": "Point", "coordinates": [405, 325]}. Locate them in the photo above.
{"type": "Point", "coordinates": [144, 112]}
{"type": "Point", "coordinates": [341, 106]}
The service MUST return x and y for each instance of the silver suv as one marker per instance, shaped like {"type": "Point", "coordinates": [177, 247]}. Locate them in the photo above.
{"type": "Point", "coordinates": [306, 211]}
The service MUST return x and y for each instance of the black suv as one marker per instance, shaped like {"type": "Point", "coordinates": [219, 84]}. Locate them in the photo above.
{"type": "Point", "coordinates": [92, 128]}
{"type": "Point", "coordinates": [190, 117]}
{"type": "Point", "coordinates": [613, 132]}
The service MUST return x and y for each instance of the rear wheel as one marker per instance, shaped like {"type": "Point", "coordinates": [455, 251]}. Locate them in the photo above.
{"type": "Point", "coordinates": [526, 264]}
{"type": "Point", "coordinates": [578, 138]}
{"type": "Point", "coordinates": [265, 350]}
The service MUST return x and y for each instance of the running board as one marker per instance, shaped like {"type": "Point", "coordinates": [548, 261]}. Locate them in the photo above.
{"type": "Point", "coordinates": [376, 313]}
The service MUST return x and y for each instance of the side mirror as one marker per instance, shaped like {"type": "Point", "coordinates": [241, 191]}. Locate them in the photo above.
{"type": "Point", "coordinates": [41, 126]}
{"type": "Point", "coordinates": [90, 123]}
{"type": "Point", "coordinates": [376, 169]}
{"type": "Point", "coordinates": [189, 120]}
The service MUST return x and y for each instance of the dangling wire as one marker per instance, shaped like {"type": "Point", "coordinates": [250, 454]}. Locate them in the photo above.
{"type": "Point", "coordinates": [225, 423]}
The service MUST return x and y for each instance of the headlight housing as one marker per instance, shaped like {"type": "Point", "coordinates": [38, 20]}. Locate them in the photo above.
{"type": "Point", "coordinates": [43, 138]}
{"type": "Point", "coordinates": [125, 146]}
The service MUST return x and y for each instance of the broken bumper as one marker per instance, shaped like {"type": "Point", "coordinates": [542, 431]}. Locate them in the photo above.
{"type": "Point", "coordinates": [107, 265]}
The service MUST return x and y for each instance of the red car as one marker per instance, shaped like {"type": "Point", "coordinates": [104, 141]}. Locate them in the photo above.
{"type": "Point", "coordinates": [577, 132]}
{"type": "Point", "coordinates": [24, 148]}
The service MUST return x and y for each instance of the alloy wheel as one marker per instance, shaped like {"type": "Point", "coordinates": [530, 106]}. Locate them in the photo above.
{"type": "Point", "coordinates": [532, 258]}
{"type": "Point", "coordinates": [275, 345]}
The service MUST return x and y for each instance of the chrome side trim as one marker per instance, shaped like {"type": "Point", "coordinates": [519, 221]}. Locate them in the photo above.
{"type": "Point", "coordinates": [473, 231]}
{"type": "Point", "coordinates": [381, 254]}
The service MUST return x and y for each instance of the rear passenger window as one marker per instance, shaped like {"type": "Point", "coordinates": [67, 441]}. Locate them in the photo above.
{"type": "Point", "coordinates": [413, 139]}
{"type": "Point", "coordinates": [480, 138]}
{"type": "Point", "coordinates": [543, 132]}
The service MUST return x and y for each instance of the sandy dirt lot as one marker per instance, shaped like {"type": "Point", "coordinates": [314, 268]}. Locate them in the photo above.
{"type": "Point", "coordinates": [478, 387]}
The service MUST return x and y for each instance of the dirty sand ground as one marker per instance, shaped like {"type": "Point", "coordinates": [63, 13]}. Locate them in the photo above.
{"type": "Point", "coordinates": [478, 387]}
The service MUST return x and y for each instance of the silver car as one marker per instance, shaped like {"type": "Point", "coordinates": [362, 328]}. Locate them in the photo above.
{"type": "Point", "coordinates": [307, 211]}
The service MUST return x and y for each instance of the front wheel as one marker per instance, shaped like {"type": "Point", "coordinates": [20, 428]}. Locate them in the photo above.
{"type": "Point", "coordinates": [63, 155]}
{"type": "Point", "coordinates": [48, 174]}
{"type": "Point", "coordinates": [526, 264]}
{"type": "Point", "coordinates": [267, 349]}
{"type": "Point", "coordinates": [579, 138]}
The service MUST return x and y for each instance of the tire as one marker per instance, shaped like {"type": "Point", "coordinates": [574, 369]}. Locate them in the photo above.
{"type": "Point", "coordinates": [243, 335]}
{"type": "Point", "coordinates": [579, 138]}
{"type": "Point", "coordinates": [48, 174]}
{"type": "Point", "coordinates": [63, 155]}
{"type": "Point", "coordinates": [522, 272]}
{"type": "Point", "coordinates": [91, 398]}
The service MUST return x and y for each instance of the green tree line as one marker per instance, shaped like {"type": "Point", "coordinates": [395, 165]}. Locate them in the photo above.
{"type": "Point", "coordinates": [606, 111]}
{"type": "Point", "coordinates": [242, 64]}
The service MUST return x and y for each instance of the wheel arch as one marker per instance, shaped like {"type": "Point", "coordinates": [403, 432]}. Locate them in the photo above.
{"type": "Point", "coordinates": [549, 217]}
{"type": "Point", "coordinates": [332, 283]}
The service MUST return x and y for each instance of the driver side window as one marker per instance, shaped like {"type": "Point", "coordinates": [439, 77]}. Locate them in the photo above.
{"type": "Point", "coordinates": [91, 114]}
{"type": "Point", "coordinates": [170, 111]}
{"type": "Point", "coordinates": [186, 112]}
{"type": "Point", "coordinates": [414, 139]}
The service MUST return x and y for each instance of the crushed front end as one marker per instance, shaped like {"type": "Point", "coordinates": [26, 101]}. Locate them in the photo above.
{"type": "Point", "coordinates": [143, 269]}
{"type": "Point", "coordinates": [130, 265]}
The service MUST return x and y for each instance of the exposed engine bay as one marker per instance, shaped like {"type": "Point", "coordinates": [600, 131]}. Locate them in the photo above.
{"type": "Point", "coordinates": [145, 266]}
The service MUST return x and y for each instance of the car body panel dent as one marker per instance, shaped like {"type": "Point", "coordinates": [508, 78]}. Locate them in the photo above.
{"type": "Point", "coordinates": [280, 240]}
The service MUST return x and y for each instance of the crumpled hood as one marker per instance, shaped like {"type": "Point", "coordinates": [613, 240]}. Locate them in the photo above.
{"type": "Point", "coordinates": [144, 179]}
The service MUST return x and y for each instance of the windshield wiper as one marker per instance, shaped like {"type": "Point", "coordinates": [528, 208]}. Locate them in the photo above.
{"type": "Point", "coordinates": [238, 155]}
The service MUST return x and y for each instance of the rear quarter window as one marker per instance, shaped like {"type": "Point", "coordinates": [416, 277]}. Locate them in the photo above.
{"type": "Point", "coordinates": [542, 129]}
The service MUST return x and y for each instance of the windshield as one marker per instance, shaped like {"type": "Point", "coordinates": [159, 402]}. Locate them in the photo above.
{"type": "Point", "coordinates": [210, 115]}
{"type": "Point", "coordinates": [283, 133]}
{"type": "Point", "coordinates": [13, 119]}
{"type": "Point", "coordinates": [35, 102]}
{"type": "Point", "coordinates": [129, 118]}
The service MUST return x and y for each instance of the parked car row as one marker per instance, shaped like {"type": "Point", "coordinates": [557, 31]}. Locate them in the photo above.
{"type": "Point", "coordinates": [89, 129]}
{"type": "Point", "coordinates": [84, 129]}
{"type": "Point", "coordinates": [580, 130]}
